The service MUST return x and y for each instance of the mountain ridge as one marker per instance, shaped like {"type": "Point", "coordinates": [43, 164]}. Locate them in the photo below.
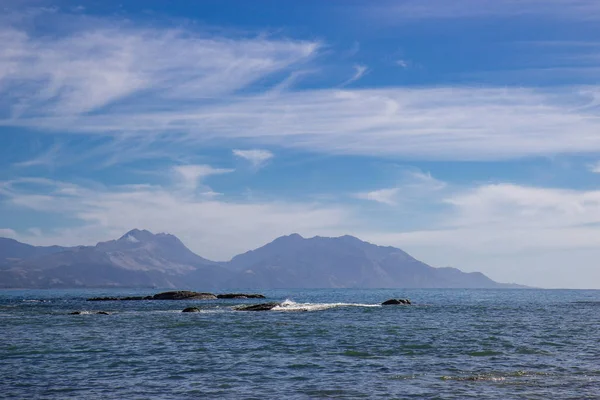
{"type": "Point", "coordinates": [142, 258]}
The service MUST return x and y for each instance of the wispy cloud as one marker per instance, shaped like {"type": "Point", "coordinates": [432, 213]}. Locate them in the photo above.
{"type": "Point", "coordinates": [47, 158]}
{"type": "Point", "coordinates": [105, 80]}
{"type": "Point", "coordinates": [412, 185]}
{"type": "Point", "coordinates": [359, 72]}
{"type": "Point", "coordinates": [88, 69]}
{"type": "Point", "coordinates": [256, 157]}
{"type": "Point", "coordinates": [384, 196]}
{"type": "Point", "coordinates": [441, 9]}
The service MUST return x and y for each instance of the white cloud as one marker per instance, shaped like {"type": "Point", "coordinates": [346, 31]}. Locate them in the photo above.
{"type": "Point", "coordinates": [190, 176]}
{"type": "Point", "coordinates": [511, 232]}
{"type": "Point", "coordinates": [426, 123]}
{"type": "Point", "coordinates": [595, 167]}
{"type": "Point", "coordinates": [214, 229]}
{"type": "Point", "coordinates": [7, 233]}
{"type": "Point", "coordinates": [256, 157]}
{"type": "Point", "coordinates": [384, 196]}
{"type": "Point", "coordinates": [402, 63]}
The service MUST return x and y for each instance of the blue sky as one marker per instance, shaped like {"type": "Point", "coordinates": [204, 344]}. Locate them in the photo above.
{"type": "Point", "coordinates": [465, 132]}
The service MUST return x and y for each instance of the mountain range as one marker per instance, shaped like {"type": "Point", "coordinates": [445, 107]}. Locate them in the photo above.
{"type": "Point", "coordinates": [143, 259]}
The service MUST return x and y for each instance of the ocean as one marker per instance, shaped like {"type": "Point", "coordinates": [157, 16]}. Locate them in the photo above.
{"type": "Point", "coordinates": [451, 344]}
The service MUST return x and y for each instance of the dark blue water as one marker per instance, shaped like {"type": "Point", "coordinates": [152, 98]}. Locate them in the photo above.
{"type": "Point", "coordinates": [454, 344]}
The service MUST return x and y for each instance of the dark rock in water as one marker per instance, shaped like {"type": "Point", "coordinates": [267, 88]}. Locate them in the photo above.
{"type": "Point", "coordinates": [258, 307]}
{"type": "Point", "coordinates": [175, 295]}
{"type": "Point", "coordinates": [103, 299]}
{"type": "Point", "coordinates": [240, 296]}
{"type": "Point", "coordinates": [76, 313]}
{"type": "Point", "coordinates": [191, 309]}
{"type": "Point", "coordinates": [183, 295]}
{"type": "Point", "coordinates": [103, 313]}
{"type": "Point", "coordinates": [394, 302]}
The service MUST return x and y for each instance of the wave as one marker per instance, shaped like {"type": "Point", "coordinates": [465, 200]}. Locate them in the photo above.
{"type": "Point", "coordinates": [290, 305]}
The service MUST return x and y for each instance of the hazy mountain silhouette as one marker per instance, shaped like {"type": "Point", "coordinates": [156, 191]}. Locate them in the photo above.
{"type": "Point", "coordinates": [295, 262]}
{"type": "Point", "coordinates": [143, 259]}
{"type": "Point", "coordinates": [12, 250]}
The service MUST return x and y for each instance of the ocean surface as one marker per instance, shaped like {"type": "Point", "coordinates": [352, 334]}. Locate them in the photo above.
{"type": "Point", "coordinates": [451, 344]}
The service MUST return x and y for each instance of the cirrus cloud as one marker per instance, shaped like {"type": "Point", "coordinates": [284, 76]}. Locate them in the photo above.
{"type": "Point", "coordinates": [256, 157]}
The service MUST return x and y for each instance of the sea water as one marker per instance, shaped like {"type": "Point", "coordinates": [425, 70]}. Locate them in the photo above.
{"type": "Point", "coordinates": [451, 344]}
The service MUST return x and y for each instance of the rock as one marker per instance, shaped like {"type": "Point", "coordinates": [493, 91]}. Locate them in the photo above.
{"type": "Point", "coordinates": [103, 299]}
{"type": "Point", "coordinates": [240, 296]}
{"type": "Point", "coordinates": [258, 307]}
{"type": "Point", "coordinates": [191, 309]}
{"type": "Point", "coordinates": [175, 295]}
{"type": "Point", "coordinates": [392, 302]}
{"type": "Point", "coordinates": [76, 313]}
{"type": "Point", "coordinates": [183, 295]}
{"type": "Point", "coordinates": [103, 313]}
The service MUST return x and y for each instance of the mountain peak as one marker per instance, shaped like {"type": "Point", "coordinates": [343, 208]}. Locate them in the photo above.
{"type": "Point", "coordinates": [137, 235]}
{"type": "Point", "coordinates": [294, 237]}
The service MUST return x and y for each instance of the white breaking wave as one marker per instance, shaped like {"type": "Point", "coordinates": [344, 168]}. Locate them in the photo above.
{"type": "Point", "coordinates": [289, 305]}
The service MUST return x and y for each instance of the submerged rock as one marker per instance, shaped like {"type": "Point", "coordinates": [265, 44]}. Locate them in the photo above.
{"type": "Point", "coordinates": [394, 302]}
{"type": "Point", "coordinates": [240, 296]}
{"type": "Point", "coordinates": [258, 307]}
{"type": "Point", "coordinates": [191, 309]}
{"type": "Point", "coordinates": [88, 312]}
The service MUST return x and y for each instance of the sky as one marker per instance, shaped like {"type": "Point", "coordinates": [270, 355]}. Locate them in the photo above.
{"type": "Point", "coordinates": [465, 132]}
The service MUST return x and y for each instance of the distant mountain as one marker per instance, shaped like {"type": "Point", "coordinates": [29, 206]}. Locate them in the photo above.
{"type": "Point", "coordinates": [137, 259]}
{"type": "Point", "coordinates": [12, 251]}
{"type": "Point", "coordinates": [143, 259]}
{"type": "Point", "coordinates": [295, 262]}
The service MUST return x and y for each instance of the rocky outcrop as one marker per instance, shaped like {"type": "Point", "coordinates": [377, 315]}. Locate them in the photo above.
{"type": "Point", "coordinates": [174, 295]}
{"type": "Point", "coordinates": [258, 307]}
{"type": "Point", "coordinates": [191, 309]}
{"type": "Point", "coordinates": [183, 295]}
{"type": "Point", "coordinates": [396, 302]}
{"type": "Point", "coordinates": [240, 296]}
